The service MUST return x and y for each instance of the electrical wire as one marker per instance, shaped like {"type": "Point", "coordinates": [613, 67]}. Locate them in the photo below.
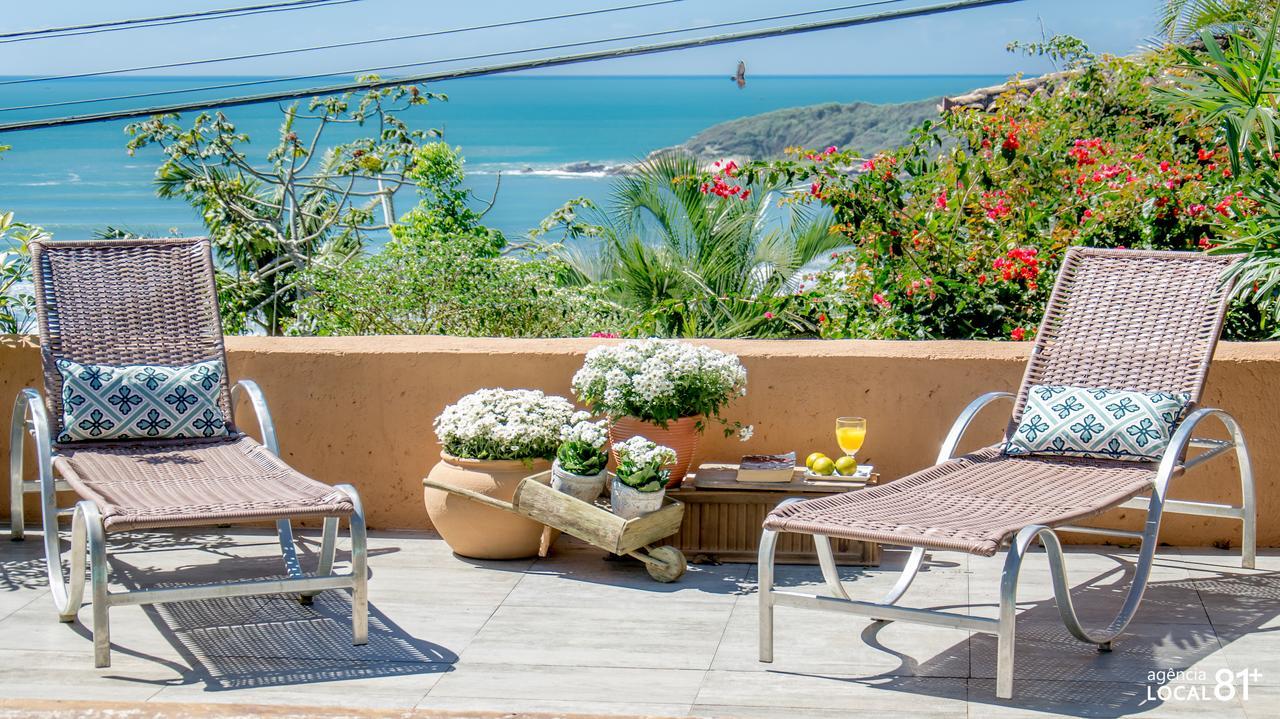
{"type": "Point", "coordinates": [352, 43]}
{"type": "Point", "coordinates": [538, 63]}
{"type": "Point", "coordinates": [462, 58]}
{"type": "Point", "coordinates": [163, 20]}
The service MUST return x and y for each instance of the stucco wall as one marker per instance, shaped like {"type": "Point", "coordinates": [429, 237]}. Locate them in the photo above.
{"type": "Point", "coordinates": [359, 409]}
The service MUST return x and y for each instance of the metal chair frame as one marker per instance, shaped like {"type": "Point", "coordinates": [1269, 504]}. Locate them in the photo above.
{"type": "Point", "coordinates": [1155, 505]}
{"type": "Point", "coordinates": [88, 535]}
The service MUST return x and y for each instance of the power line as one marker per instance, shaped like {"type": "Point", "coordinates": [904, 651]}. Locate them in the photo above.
{"type": "Point", "coordinates": [401, 66]}
{"type": "Point", "coordinates": [508, 67]}
{"type": "Point", "coordinates": [352, 43]}
{"type": "Point", "coordinates": [162, 20]}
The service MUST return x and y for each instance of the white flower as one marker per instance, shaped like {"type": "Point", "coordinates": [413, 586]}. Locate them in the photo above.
{"type": "Point", "coordinates": [503, 424]}
{"type": "Point", "coordinates": [659, 380]}
{"type": "Point", "coordinates": [744, 433]}
{"type": "Point", "coordinates": [640, 453]}
{"type": "Point", "coordinates": [583, 431]}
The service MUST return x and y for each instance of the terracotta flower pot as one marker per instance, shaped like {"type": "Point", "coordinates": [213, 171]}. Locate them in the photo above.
{"type": "Point", "coordinates": [471, 529]}
{"type": "Point", "coordinates": [682, 435]}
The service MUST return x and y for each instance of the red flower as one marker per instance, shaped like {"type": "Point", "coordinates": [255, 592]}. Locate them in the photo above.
{"type": "Point", "coordinates": [941, 201]}
{"type": "Point", "coordinates": [982, 279]}
{"type": "Point", "coordinates": [1018, 334]}
{"type": "Point", "coordinates": [1196, 209]}
{"type": "Point", "coordinates": [1010, 142]}
{"type": "Point", "coordinates": [822, 317]}
{"type": "Point", "coordinates": [1204, 155]}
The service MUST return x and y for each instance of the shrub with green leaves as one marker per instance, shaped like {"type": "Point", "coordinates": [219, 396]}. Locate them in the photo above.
{"type": "Point", "coordinates": [443, 272]}
{"type": "Point", "coordinates": [959, 233]}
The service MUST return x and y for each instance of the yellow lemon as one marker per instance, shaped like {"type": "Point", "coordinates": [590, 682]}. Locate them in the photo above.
{"type": "Point", "coordinates": [847, 466]}
{"type": "Point", "coordinates": [813, 458]}
{"type": "Point", "coordinates": [824, 466]}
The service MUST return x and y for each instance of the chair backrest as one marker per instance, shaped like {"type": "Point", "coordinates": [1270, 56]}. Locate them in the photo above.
{"type": "Point", "coordinates": [118, 302]}
{"type": "Point", "coordinates": [1134, 320]}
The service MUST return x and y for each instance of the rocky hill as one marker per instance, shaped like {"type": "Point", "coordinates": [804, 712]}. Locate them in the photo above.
{"type": "Point", "coordinates": [860, 126]}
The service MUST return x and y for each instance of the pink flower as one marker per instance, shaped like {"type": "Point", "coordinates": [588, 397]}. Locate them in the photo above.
{"type": "Point", "coordinates": [879, 299]}
{"type": "Point", "coordinates": [941, 201]}
{"type": "Point", "coordinates": [830, 150]}
{"type": "Point", "coordinates": [604, 335]}
{"type": "Point", "coordinates": [768, 315]}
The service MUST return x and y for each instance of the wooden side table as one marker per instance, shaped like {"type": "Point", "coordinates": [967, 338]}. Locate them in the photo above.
{"type": "Point", "coordinates": [723, 518]}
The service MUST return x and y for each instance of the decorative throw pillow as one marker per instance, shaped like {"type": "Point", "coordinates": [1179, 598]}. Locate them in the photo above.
{"type": "Point", "coordinates": [141, 401]}
{"type": "Point", "coordinates": [1101, 423]}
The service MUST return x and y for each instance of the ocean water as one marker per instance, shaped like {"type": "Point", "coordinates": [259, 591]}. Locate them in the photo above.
{"type": "Point", "coordinates": [521, 129]}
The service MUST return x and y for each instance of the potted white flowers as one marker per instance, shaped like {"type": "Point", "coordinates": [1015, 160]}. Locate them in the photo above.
{"type": "Point", "coordinates": [640, 481]}
{"type": "Point", "coordinates": [665, 390]}
{"type": "Point", "coordinates": [579, 469]}
{"type": "Point", "coordinates": [492, 439]}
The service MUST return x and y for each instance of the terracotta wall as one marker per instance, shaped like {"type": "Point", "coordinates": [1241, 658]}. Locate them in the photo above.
{"type": "Point", "coordinates": [359, 409]}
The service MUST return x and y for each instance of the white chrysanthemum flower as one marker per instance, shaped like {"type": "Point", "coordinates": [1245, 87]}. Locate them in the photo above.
{"type": "Point", "coordinates": [503, 424]}
{"type": "Point", "coordinates": [659, 380]}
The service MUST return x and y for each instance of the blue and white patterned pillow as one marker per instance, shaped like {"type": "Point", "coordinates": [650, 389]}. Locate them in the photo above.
{"type": "Point", "coordinates": [141, 401]}
{"type": "Point", "coordinates": [1100, 423]}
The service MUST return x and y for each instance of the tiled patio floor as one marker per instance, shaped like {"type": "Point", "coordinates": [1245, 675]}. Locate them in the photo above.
{"type": "Point", "coordinates": [577, 634]}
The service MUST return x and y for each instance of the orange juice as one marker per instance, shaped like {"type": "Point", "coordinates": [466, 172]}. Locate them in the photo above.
{"type": "Point", "coordinates": [850, 438]}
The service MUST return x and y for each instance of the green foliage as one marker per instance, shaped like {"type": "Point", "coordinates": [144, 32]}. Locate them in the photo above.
{"type": "Point", "coordinates": [17, 303]}
{"type": "Point", "coordinates": [305, 205]}
{"type": "Point", "coordinates": [1237, 88]}
{"type": "Point", "coordinates": [959, 233]}
{"type": "Point", "coordinates": [582, 459]}
{"type": "Point", "coordinates": [687, 262]}
{"type": "Point", "coordinates": [445, 273]}
{"type": "Point", "coordinates": [1181, 20]}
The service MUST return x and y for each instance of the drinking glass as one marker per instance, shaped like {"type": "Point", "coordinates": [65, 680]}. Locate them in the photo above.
{"type": "Point", "coordinates": [850, 431]}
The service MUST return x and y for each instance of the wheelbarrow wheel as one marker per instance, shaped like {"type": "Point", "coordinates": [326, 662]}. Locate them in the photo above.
{"type": "Point", "coordinates": [672, 564]}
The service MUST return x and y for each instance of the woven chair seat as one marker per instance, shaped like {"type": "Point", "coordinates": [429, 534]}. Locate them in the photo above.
{"type": "Point", "coordinates": [972, 503]}
{"type": "Point", "coordinates": [184, 484]}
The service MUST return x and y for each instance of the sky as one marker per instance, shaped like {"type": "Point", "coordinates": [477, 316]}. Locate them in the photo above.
{"type": "Point", "coordinates": [966, 42]}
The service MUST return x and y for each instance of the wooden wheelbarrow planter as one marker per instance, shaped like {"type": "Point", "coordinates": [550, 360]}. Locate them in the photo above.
{"type": "Point", "coordinates": [594, 523]}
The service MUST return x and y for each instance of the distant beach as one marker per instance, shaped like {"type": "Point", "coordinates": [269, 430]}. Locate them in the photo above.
{"type": "Point", "coordinates": [550, 138]}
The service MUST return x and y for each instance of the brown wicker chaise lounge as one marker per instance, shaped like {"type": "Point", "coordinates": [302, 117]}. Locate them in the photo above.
{"type": "Point", "coordinates": [153, 302]}
{"type": "Point", "coordinates": [1117, 319]}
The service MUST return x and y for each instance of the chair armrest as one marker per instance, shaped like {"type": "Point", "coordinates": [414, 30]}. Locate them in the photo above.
{"type": "Point", "coordinates": [258, 400]}
{"type": "Point", "coordinates": [1175, 454]}
{"type": "Point", "coordinates": [962, 423]}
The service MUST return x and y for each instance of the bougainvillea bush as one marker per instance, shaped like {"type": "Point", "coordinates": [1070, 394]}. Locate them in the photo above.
{"type": "Point", "coordinates": [959, 233]}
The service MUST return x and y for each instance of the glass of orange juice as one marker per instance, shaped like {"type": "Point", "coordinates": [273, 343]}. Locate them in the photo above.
{"type": "Point", "coordinates": [850, 431]}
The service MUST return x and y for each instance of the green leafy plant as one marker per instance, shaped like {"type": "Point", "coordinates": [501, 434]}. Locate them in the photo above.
{"type": "Point", "coordinates": [641, 464]}
{"type": "Point", "coordinates": [443, 272]}
{"type": "Point", "coordinates": [1235, 90]}
{"type": "Point", "coordinates": [307, 205]}
{"type": "Point", "coordinates": [582, 446]}
{"type": "Point", "coordinates": [17, 302]}
{"type": "Point", "coordinates": [959, 233]}
{"type": "Point", "coordinates": [688, 262]}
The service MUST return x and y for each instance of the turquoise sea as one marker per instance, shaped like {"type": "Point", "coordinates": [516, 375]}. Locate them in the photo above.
{"type": "Point", "coordinates": [75, 179]}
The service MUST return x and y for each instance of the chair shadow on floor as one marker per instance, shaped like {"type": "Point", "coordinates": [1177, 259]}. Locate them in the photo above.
{"type": "Point", "coordinates": [262, 641]}
{"type": "Point", "coordinates": [1057, 673]}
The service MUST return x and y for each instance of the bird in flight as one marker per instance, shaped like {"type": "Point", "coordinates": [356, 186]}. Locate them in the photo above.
{"type": "Point", "coordinates": [740, 76]}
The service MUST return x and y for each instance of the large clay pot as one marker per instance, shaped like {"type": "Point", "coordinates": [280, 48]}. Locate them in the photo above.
{"type": "Point", "coordinates": [472, 529]}
{"type": "Point", "coordinates": [682, 435]}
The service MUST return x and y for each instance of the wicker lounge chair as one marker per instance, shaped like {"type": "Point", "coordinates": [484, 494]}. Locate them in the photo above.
{"type": "Point", "coordinates": [1131, 320]}
{"type": "Point", "coordinates": [130, 302]}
